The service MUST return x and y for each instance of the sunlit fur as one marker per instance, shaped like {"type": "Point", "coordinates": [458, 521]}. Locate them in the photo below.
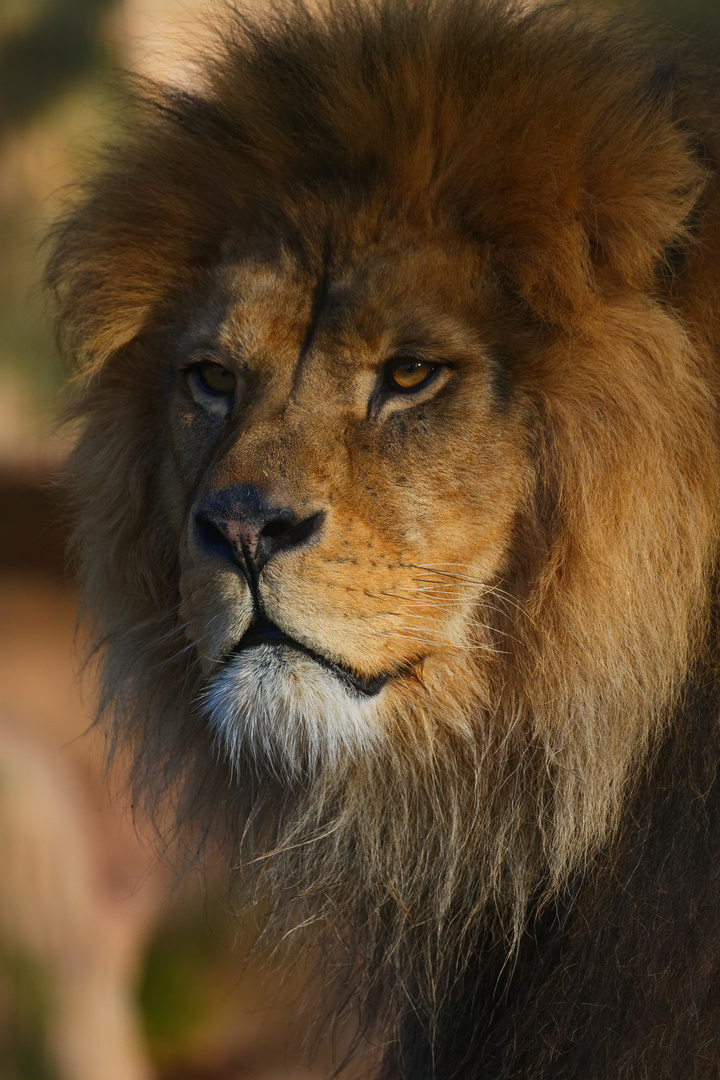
{"type": "Point", "coordinates": [552, 179]}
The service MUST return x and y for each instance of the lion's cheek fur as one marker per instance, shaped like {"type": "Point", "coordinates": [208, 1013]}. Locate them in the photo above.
{"type": "Point", "coordinates": [214, 614]}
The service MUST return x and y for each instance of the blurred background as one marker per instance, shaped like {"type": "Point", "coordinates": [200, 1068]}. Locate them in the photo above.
{"type": "Point", "coordinates": [111, 968]}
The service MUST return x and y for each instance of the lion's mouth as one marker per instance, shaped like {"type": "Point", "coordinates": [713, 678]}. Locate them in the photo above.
{"type": "Point", "coordinates": [264, 632]}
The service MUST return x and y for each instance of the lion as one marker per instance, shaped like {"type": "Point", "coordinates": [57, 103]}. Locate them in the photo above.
{"type": "Point", "coordinates": [397, 513]}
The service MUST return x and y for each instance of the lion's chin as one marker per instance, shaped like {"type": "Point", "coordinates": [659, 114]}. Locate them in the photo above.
{"type": "Point", "coordinates": [264, 632]}
{"type": "Point", "coordinates": [277, 704]}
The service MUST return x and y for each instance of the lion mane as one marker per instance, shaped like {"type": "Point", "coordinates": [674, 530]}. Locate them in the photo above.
{"type": "Point", "coordinates": [396, 498]}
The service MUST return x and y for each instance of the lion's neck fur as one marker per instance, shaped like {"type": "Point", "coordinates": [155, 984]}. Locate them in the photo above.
{"type": "Point", "coordinates": [601, 966]}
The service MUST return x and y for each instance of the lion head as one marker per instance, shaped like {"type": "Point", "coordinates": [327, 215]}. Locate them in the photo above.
{"type": "Point", "coordinates": [397, 484]}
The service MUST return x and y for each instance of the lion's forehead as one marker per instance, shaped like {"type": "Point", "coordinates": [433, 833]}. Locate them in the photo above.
{"type": "Point", "coordinates": [309, 342]}
{"type": "Point", "coordinates": [354, 306]}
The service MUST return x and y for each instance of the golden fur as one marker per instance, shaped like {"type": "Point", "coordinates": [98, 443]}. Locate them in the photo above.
{"type": "Point", "coordinates": [524, 549]}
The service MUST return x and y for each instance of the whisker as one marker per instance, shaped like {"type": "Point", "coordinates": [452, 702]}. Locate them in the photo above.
{"type": "Point", "coordinates": [488, 589]}
{"type": "Point", "coordinates": [444, 643]}
{"type": "Point", "coordinates": [444, 573]}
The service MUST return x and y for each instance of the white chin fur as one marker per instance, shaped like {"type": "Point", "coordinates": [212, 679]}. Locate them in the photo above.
{"type": "Point", "coordinates": [282, 707]}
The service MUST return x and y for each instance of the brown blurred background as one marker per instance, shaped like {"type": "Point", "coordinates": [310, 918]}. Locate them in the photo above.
{"type": "Point", "coordinates": [110, 967]}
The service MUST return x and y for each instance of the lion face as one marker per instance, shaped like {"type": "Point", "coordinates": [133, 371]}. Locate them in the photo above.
{"type": "Point", "coordinates": [342, 525]}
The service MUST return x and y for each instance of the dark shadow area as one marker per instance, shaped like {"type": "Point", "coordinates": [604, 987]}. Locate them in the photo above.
{"type": "Point", "coordinates": [33, 533]}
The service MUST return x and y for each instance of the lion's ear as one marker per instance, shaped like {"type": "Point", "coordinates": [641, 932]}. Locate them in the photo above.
{"type": "Point", "coordinates": [643, 181]}
{"type": "Point", "coordinates": [593, 205]}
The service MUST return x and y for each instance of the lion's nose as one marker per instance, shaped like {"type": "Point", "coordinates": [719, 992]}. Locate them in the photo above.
{"type": "Point", "coordinates": [240, 524]}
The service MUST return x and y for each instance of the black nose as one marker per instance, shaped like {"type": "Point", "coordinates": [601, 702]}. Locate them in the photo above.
{"type": "Point", "coordinates": [239, 524]}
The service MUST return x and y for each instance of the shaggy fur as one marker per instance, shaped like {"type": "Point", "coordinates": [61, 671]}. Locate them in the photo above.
{"type": "Point", "coordinates": [486, 768]}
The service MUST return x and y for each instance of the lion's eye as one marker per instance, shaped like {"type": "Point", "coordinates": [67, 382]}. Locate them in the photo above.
{"type": "Point", "coordinates": [214, 378]}
{"type": "Point", "coordinates": [409, 373]}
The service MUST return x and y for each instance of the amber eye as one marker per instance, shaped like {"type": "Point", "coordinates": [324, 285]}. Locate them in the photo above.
{"type": "Point", "coordinates": [214, 378]}
{"type": "Point", "coordinates": [409, 373]}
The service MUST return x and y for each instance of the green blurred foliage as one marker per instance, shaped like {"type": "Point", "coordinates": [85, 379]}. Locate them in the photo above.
{"type": "Point", "coordinates": [61, 42]}
{"type": "Point", "coordinates": [25, 1013]}
{"type": "Point", "coordinates": [78, 121]}
{"type": "Point", "coordinates": [192, 973]}
{"type": "Point", "coordinates": [57, 90]}
{"type": "Point", "coordinates": [175, 985]}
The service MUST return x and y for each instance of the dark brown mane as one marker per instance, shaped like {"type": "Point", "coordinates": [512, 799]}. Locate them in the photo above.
{"type": "Point", "coordinates": [341, 105]}
{"type": "Point", "coordinates": [524, 869]}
